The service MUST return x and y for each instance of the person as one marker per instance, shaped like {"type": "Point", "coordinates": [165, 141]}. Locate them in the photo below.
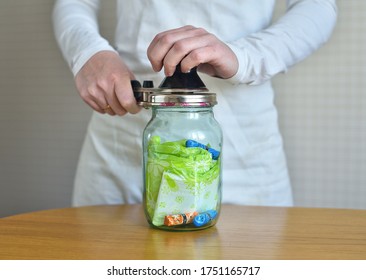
{"type": "Point", "coordinates": [237, 50]}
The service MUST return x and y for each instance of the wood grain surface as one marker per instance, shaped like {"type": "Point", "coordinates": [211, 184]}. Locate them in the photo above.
{"type": "Point", "coordinates": [242, 232]}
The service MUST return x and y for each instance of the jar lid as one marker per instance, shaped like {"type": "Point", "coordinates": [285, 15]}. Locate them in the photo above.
{"type": "Point", "coordinates": [179, 90]}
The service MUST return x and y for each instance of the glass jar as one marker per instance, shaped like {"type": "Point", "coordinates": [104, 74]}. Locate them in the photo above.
{"type": "Point", "coordinates": [182, 164]}
{"type": "Point", "coordinates": [181, 153]}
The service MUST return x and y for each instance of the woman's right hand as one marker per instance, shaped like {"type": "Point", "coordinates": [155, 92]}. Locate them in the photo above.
{"type": "Point", "coordinates": [104, 83]}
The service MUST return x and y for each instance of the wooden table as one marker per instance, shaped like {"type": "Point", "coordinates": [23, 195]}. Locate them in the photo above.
{"type": "Point", "coordinates": [242, 232]}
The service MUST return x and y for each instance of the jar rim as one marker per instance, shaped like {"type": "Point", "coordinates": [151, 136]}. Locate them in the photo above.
{"type": "Point", "coordinates": [178, 98]}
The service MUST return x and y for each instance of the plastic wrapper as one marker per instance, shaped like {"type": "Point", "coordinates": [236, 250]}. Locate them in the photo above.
{"type": "Point", "coordinates": [179, 179]}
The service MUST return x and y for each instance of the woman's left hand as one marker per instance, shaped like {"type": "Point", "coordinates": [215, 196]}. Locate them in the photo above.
{"type": "Point", "coordinates": [191, 47]}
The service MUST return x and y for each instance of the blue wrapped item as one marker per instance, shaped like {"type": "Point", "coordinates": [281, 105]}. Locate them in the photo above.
{"type": "Point", "coordinates": [191, 143]}
{"type": "Point", "coordinates": [204, 218]}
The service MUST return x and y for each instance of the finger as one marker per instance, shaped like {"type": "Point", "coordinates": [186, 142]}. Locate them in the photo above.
{"type": "Point", "coordinates": [108, 109]}
{"type": "Point", "coordinates": [196, 57]}
{"type": "Point", "coordinates": [164, 42]}
{"type": "Point", "coordinates": [183, 48]}
{"type": "Point", "coordinates": [96, 98]}
{"type": "Point", "coordinates": [114, 104]}
{"type": "Point", "coordinates": [125, 96]}
{"type": "Point", "coordinates": [158, 37]}
{"type": "Point", "coordinates": [95, 106]}
{"type": "Point", "coordinates": [93, 96]}
{"type": "Point", "coordinates": [171, 31]}
{"type": "Point", "coordinates": [116, 107]}
{"type": "Point", "coordinates": [110, 99]}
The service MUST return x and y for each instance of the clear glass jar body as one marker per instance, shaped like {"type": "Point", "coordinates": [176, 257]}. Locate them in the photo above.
{"type": "Point", "coordinates": [182, 168]}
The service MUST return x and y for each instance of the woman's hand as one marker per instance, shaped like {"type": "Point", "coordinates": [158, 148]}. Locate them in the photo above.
{"type": "Point", "coordinates": [192, 47]}
{"type": "Point", "coordinates": [104, 83]}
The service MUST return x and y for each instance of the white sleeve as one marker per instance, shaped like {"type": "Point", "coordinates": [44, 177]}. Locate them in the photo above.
{"type": "Point", "coordinates": [306, 25]}
{"type": "Point", "coordinates": [76, 30]}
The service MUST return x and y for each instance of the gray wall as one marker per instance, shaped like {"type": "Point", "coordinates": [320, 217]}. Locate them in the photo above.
{"type": "Point", "coordinates": [42, 119]}
{"type": "Point", "coordinates": [322, 104]}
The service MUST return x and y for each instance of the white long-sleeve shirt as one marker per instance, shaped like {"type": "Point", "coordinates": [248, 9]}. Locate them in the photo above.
{"type": "Point", "coordinates": [254, 163]}
{"type": "Point", "coordinates": [263, 50]}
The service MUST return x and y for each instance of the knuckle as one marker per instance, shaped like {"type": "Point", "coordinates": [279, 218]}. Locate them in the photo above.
{"type": "Point", "coordinates": [84, 94]}
{"type": "Point", "coordinates": [211, 37]}
{"type": "Point", "coordinates": [180, 46]}
{"type": "Point", "coordinates": [114, 78]}
{"type": "Point", "coordinates": [200, 30]}
{"type": "Point", "coordinates": [197, 56]}
{"type": "Point", "coordinates": [103, 84]}
{"type": "Point", "coordinates": [167, 39]}
{"type": "Point", "coordinates": [211, 49]}
{"type": "Point", "coordinates": [92, 91]}
{"type": "Point", "coordinates": [157, 37]}
{"type": "Point", "coordinates": [152, 58]}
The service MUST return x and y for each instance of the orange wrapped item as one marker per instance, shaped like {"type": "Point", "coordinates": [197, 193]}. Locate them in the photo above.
{"type": "Point", "coordinates": [179, 219]}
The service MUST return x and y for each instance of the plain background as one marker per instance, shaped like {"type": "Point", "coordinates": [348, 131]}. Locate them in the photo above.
{"type": "Point", "coordinates": [321, 102]}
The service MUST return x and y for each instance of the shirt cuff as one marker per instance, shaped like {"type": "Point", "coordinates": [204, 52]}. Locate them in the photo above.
{"type": "Point", "coordinates": [240, 75]}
